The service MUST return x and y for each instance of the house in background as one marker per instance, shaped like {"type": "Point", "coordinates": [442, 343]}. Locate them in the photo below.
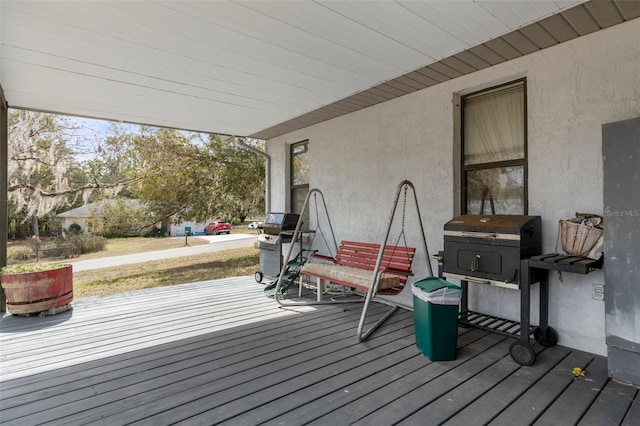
{"type": "Point", "coordinates": [82, 215]}
{"type": "Point", "coordinates": [78, 216]}
{"type": "Point", "coordinates": [85, 216]}
{"type": "Point", "coordinates": [179, 229]}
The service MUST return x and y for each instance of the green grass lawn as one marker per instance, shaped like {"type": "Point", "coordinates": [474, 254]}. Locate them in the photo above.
{"type": "Point", "coordinates": [221, 264]}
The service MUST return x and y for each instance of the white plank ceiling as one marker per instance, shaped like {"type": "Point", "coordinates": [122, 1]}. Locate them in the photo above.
{"type": "Point", "coordinates": [241, 67]}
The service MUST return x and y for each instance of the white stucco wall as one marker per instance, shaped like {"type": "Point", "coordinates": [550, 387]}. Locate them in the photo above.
{"type": "Point", "coordinates": [178, 230]}
{"type": "Point", "coordinates": [573, 89]}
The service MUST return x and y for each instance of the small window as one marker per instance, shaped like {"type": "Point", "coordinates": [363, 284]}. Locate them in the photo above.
{"type": "Point", "coordinates": [299, 176]}
{"type": "Point", "coordinates": [494, 151]}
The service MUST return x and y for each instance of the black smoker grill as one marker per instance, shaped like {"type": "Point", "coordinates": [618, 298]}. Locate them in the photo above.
{"type": "Point", "coordinates": [270, 242]}
{"type": "Point", "coordinates": [488, 249]}
{"type": "Point", "coordinates": [495, 250]}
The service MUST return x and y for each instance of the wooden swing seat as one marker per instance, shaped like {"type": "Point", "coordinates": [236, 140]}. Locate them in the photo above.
{"type": "Point", "coordinates": [374, 269]}
{"type": "Point", "coordinates": [354, 266]}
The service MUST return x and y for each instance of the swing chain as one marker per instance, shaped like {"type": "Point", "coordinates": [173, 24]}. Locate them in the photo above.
{"type": "Point", "coordinates": [404, 211]}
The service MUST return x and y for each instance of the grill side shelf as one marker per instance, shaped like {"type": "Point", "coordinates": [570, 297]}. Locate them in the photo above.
{"type": "Point", "coordinates": [566, 263]}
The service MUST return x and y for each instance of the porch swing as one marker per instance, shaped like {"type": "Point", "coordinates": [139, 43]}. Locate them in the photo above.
{"type": "Point", "coordinates": [375, 269]}
{"type": "Point", "coordinates": [291, 269]}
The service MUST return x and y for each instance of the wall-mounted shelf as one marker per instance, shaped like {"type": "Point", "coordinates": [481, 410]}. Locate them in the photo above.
{"type": "Point", "coordinates": [565, 263]}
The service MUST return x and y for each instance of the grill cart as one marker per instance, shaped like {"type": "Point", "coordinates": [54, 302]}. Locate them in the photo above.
{"type": "Point", "coordinates": [270, 242]}
{"type": "Point", "coordinates": [495, 250]}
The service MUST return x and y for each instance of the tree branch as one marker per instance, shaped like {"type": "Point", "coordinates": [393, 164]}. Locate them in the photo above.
{"type": "Point", "coordinates": [96, 185]}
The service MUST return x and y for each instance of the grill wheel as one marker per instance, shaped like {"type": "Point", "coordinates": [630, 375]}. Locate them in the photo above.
{"type": "Point", "coordinates": [546, 338]}
{"type": "Point", "coordinates": [522, 353]}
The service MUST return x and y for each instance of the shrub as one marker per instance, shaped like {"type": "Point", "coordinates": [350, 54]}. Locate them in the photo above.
{"type": "Point", "coordinates": [86, 243]}
{"type": "Point", "coordinates": [21, 253]}
{"type": "Point", "coordinates": [118, 218]}
{"type": "Point", "coordinates": [74, 229]}
{"type": "Point", "coordinates": [233, 220]}
{"type": "Point", "coordinates": [60, 247]}
{"type": "Point", "coordinates": [156, 232]}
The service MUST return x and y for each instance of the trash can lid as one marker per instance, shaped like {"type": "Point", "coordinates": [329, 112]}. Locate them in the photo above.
{"type": "Point", "coordinates": [431, 284]}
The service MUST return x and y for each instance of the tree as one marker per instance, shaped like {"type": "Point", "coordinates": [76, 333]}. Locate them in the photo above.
{"type": "Point", "coordinates": [38, 162]}
{"type": "Point", "coordinates": [177, 175]}
{"type": "Point", "coordinates": [119, 218]}
{"type": "Point", "coordinates": [242, 174]}
{"type": "Point", "coordinates": [170, 173]}
{"type": "Point", "coordinates": [189, 176]}
{"type": "Point", "coordinates": [44, 175]}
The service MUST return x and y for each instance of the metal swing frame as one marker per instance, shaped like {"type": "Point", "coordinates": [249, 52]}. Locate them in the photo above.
{"type": "Point", "coordinates": [377, 272]}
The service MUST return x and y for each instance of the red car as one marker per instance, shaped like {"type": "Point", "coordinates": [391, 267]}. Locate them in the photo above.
{"type": "Point", "coordinates": [217, 227]}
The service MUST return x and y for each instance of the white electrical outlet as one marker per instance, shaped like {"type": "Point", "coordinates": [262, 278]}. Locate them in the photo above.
{"type": "Point", "coordinates": [598, 292]}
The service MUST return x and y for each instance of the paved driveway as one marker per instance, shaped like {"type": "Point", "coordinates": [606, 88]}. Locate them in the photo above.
{"type": "Point", "coordinates": [216, 243]}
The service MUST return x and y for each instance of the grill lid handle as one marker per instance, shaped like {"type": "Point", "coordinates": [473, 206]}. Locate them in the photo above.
{"type": "Point", "coordinates": [479, 234]}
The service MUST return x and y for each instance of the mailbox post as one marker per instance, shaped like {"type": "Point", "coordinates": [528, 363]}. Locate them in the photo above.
{"type": "Point", "coordinates": [187, 232]}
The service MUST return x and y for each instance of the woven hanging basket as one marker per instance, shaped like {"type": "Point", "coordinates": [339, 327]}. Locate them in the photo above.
{"type": "Point", "coordinates": [581, 240]}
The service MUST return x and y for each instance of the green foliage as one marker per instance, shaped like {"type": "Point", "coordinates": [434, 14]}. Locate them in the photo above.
{"type": "Point", "coordinates": [74, 229]}
{"type": "Point", "coordinates": [233, 221]}
{"type": "Point", "coordinates": [30, 267]}
{"type": "Point", "coordinates": [170, 171]}
{"type": "Point", "coordinates": [96, 283]}
{"type": "Point", "coordinates": [21, 227]}
{"type": "Point", "coordinates": [156, 232]}
{"type": "Point", "coordinates": [119, 218]}
{"type": "Point", "coordinates": [241, 173]}
{"type": "Point", "coordinates": [177, 175]}
{"type": "Point", "coordinates": [187, 177]}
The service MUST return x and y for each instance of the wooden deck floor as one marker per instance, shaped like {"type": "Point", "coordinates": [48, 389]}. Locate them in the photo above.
{"type": "Point", "coordinates": [219, 352]}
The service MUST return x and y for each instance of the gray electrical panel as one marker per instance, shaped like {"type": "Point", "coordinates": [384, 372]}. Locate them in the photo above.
{"type": "Point", "coordinates": [621, 158]}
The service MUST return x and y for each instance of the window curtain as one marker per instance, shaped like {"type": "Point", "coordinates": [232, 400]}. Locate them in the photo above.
{"type": "Point", "coordinates": [494, 125]}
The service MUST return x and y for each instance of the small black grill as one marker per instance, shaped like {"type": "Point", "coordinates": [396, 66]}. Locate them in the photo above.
{"type": "Point", "coordinates": [270, 242]}
{"type": "Point", "coordinates": [488, 249]}
{"type": "Point", "coordinates": [275, 223]}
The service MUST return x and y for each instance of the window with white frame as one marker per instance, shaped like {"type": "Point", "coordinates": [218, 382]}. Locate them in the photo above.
{"type": "Point", "coordinates": [494, 150]}
{"type": "Point", "coordinates": [299, 176]}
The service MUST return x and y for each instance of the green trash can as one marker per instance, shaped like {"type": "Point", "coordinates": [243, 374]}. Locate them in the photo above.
{"type": "Point", "coordinates": [435, 310]}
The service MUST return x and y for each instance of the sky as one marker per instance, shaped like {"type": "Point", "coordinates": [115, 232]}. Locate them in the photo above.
{"type": "Point", "coordinates": [88, 133]}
